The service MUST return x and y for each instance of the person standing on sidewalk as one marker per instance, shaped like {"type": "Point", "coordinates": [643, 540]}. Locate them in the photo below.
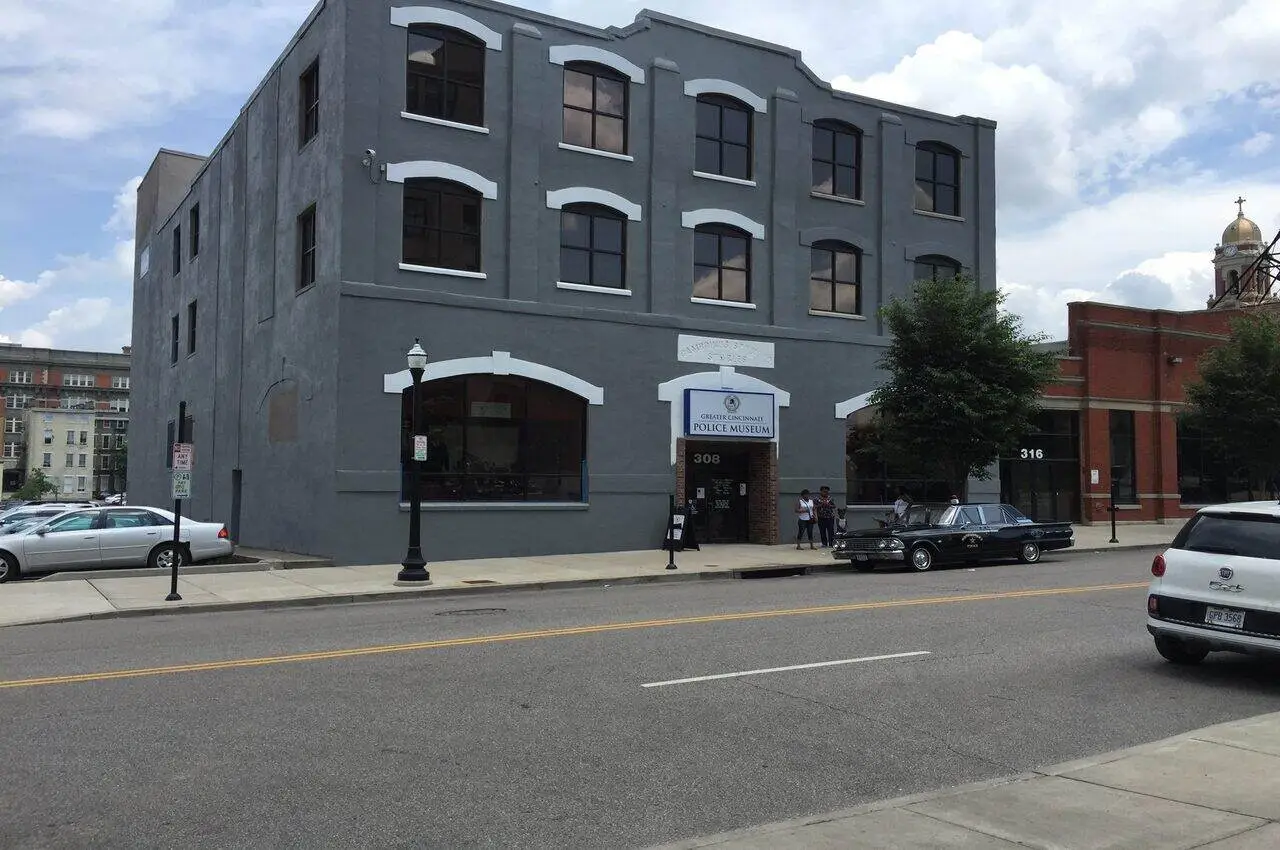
{"type": "Point", "coordinates": [804, 516]}
{"type": "Point", "coordinates": [826, 511]}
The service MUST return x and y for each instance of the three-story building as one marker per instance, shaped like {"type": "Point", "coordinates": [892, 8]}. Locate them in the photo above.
{"type": "Point", "coordinates": [644, 261]}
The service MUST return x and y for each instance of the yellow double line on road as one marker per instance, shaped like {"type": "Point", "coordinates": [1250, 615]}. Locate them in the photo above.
{"type": "Point", "coordinates": [336, 654]}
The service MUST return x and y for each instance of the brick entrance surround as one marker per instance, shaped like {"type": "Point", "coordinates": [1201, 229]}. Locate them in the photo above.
{"type": "Point", "coordinates": [762, 489]}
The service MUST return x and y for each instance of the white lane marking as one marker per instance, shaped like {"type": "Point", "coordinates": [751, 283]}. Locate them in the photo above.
{"type": "Point", "coordinates": [784, 669]}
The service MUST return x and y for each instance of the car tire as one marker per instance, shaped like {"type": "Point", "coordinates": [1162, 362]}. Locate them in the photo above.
{"type": "Point", "coordinates": [1179, 652]}
{"type": "Point", "coordinates": [161, 557]}
{"type": "Point", "coordinates": [920, 559]}
{"type": "Point", "coordinates": [9, 570]}
{"type": "Point", "coordinates": [1029, 553]}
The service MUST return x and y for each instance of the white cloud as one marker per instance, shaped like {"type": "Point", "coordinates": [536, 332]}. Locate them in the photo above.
{"type": "Point", "coordinates": [1257, 144]}
{"type": "Point", "coordinates": [94, 324]}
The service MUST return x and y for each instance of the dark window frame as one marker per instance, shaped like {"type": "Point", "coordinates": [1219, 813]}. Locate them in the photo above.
{"type": "Point", "coordinates": [929, 185]}
{"type": "Point", "coordinates": [176, 339]}
{"type": "Point", "coordinates": [422, 192]}
{"type": "Point", "coordinates": [462, 479]}
{"type": "Point", "coordinates": [309, 103]}
{"type": "Point", "coordinates": [418, 76]}
{"type": "Point", "coordinates": [306, 248]}
{"type": "Point", "coordinates": [193, 222]}
{"type": "Point", "coordinates": [935, 262]}
{"type": "Point", "coordinates": [834, 249]}
{"type": "Point", "coordinates": [723, 103]}
{"type": "Point", "coordinates": [831, 158]}
{"type": "Point", "coordinates": [1123, 440]}
{"type": "Point", "coordinates": [596, 72]}
{"type": "Point", "coordinates": [593, 212]}
{"type": "Point", "coordinates": [1205, 476]}
{"type": "Point", "coordinates": [177, 249]}
{"type": "Point", "coordinates": [720, 231]}
{"type": "Point", "coordinates": [191, 327]}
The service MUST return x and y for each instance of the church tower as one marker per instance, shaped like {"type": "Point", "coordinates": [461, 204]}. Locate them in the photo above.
{"type": "Point", "coordinates": [1237, 280]}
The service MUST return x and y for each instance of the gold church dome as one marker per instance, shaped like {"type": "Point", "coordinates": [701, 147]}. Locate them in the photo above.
{"type": "Point", "coordinates": [1242, 229]}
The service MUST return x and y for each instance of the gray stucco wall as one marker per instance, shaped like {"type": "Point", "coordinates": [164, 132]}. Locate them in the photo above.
{"type": "Point", "coordinates": [334, 490]}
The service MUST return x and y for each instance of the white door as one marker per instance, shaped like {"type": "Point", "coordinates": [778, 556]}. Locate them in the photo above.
{"type": "Point", "coordinates": [68, 542]}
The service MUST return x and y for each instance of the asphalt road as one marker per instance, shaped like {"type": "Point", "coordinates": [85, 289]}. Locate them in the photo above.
{"type": "Point", "coordinates": [429, 723]}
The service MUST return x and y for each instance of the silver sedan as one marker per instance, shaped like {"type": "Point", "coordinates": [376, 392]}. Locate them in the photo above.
{"type": "Point", "coordinates": [92, 538]}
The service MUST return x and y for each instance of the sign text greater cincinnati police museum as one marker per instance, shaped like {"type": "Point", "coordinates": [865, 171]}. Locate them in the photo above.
{"type": "Point", "coordinates": [734, 426]}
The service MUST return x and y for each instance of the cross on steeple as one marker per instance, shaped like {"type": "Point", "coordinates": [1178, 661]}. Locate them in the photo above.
{"type": "Point", "coordinates": [1239, 202]}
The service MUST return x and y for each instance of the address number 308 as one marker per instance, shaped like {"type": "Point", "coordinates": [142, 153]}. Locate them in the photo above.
{"type": "Point", "coordinates": [1033, 454]}
{"type": "Point", "coordinates": [706, 458]}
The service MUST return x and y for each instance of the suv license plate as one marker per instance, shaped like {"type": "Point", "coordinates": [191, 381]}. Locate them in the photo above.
{"type": "Point", "coordinates": [1224, 617]}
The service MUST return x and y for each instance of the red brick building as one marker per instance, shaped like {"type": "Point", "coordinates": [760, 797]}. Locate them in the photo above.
{"type": "Point", "coordinates": [1113, 414]}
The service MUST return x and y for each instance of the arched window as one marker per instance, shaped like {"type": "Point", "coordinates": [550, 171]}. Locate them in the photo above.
{"type": "Point", "coordinates": [593, 246]}
{"type": "Point", "coordinates": [441, 224]}
{"type": "Point", "coordinates": [595, 107]}
{"type": "Point", "coordinates": [837, 159]}
{"type": "Point", "coordinates": [496, 438]}
{"type": "Point", "coordinates": [723, 137]}
{"type": "Point", "coordinates": [835, 278]}
{"type": "Point", "coordinates": [1233, 282]}
{"type": "Point", "coordinates": [935, 267]}
{"type": "Point", "coordinates": [721, 263]}
{"type": "Point", "coordinates": [937, 179]}
{"type": "Point", "coordinates": [445, 74]}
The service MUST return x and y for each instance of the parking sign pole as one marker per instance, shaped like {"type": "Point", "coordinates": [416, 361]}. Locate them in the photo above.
{"type": "Point", "coordinates": [177, 514]}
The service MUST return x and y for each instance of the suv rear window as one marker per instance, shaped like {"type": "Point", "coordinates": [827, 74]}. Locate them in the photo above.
{"type": "Point", "coordinates": [1247, 535]}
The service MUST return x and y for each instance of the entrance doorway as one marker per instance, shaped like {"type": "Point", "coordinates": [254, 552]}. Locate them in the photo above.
{"type": "Point", "coordinates": [717, 480]}
{"type": "Point", "coordinates": [1042, 478]}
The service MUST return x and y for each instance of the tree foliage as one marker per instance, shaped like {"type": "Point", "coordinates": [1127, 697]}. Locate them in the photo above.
{"type": "Point", "coordinates": [1235, 403]}
{"type": "Point", "coordinates": [37, 486]}
{"type": "Point", "coordinates": [963, 383]}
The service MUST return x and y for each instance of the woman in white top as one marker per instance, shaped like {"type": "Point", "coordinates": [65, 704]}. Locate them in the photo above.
{"type": "Point", "coordinates": [805, 515]}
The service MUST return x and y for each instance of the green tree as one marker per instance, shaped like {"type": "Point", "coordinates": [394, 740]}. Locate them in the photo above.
{"type": "Point", "coordinates": [964, 381]}
{"type": "Point", "coordinates": [1235, 403]}
{"type": "Point", "coordinates": [37, 486]}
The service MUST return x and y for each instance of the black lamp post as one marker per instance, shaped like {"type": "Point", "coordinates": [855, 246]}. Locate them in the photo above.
{"type": "Point", "coordinates": [413, 567]}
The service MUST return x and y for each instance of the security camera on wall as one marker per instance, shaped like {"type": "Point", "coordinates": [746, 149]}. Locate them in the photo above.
{"type": "Point", "coordinates": [369, 154]}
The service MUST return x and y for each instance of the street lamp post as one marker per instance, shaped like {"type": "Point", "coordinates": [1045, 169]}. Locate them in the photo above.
{"type": "Point", "coordinates": [413, 567]}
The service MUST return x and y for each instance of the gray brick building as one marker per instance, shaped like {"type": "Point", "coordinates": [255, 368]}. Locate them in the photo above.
{"type": "Point", "coordinates": [644, 261]}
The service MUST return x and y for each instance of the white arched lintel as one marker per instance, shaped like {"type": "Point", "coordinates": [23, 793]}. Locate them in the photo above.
{"type": "Point", "coordinates": [561, 198]}
{"type": "Point", "coordinates": [853, 405]}
{"type": "Point", "coordinates": [404, 16]}
{"type": "Point", "coordinates": [398, 172]}
{"type": "Point", "coordinates": [727, 378]}
{"type": "Point", "coordinates": [693, 88]}
{"type": "Point", "coordinates": [498, 363]}
{"type": "Point", "coordinates": [562, 54]}
{"type": "Point", "coordinates": [693, 218]}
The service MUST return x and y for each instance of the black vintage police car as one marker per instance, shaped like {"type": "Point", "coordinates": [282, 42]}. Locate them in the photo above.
{"type": "Point", "coordinates": [938, 534]}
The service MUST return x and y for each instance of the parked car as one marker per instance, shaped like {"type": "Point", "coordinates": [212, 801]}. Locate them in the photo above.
{"type": "Point", "coordinates": [938, 534]}
{"type": "Point", "coordinates": [114, 499]}
{"type": "Point", "coordinates": [92, 538]}
{"type": "Point", "coordinates": [1217, 586]}
{"type": "Point", "coordinates": [37, 509]}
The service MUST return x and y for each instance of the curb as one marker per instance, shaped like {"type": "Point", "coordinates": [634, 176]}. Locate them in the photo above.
{"type": "Point", "coordinates": [196, 570]}
{"type": "Point", "coordinates": [414, 593]}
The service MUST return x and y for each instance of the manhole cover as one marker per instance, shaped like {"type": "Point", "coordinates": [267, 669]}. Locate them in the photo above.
{"type": "Point", "coordinates": [471, 612]}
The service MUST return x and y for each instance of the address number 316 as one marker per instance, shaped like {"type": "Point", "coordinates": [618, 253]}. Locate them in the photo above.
{"type": "Point", "coordinates": [1033, 454]}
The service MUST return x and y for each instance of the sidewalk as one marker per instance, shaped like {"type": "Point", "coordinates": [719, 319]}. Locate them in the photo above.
{"type": "Point", "coordinates": [1216, 789]}
{"type": "Point", "coordinates": [286, 580]}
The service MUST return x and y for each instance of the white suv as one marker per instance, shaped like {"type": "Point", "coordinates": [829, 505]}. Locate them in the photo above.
{"type": "Point", "coordinates": [1217, 587]}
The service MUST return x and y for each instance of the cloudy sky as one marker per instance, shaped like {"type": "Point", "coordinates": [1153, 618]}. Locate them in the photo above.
{"type": "Point", "coordinates": [1126, 129]}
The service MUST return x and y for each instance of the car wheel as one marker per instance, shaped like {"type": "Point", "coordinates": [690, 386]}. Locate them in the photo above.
{"type": "Point", "coordinates": [163, 556]}
{"type": "Point", "coordinates": [1029, 553]}
{"type": "Point", "coordinates": [921, 559]}
{"type": "Point", "coordinates": [9, 570]}
{"type": "Point", "coordinates": [1179, 652]}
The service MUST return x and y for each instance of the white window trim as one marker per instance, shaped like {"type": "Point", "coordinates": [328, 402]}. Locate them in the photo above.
{"type": "Point", "coordinates": [405, 16]}
{"type": "Point", "coordinates": [832, 314]}
{"type": "Point", "coordinates": [561, 198]}
{"type": "Point", "coordinates": [706, 175]}
{"type": "Point", "coordinates": [727, 378]}
{"type": "Point", "coordinates": [499, 363]}
{"type": "Point", "coordinates": [562, 54]}
{"type": "Point", "coordinates": [694, 218]}
{"type": "Point", "coordinates": [586, 287]}
{"type": "Point", "coordinates": [853, 405]}
{"type": "Point", "coordinates": [410, 267]}
{"type": "Point", "coordinates": [693, 88]}
{"type": "Point", "coordinates": [720, 302]}
{"type": "Point", "coordinates": [565, 146]}
{"type": "Point", "coordinates": [398, 172]}
{"type": "Point", "coordinates": [427, 119]}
